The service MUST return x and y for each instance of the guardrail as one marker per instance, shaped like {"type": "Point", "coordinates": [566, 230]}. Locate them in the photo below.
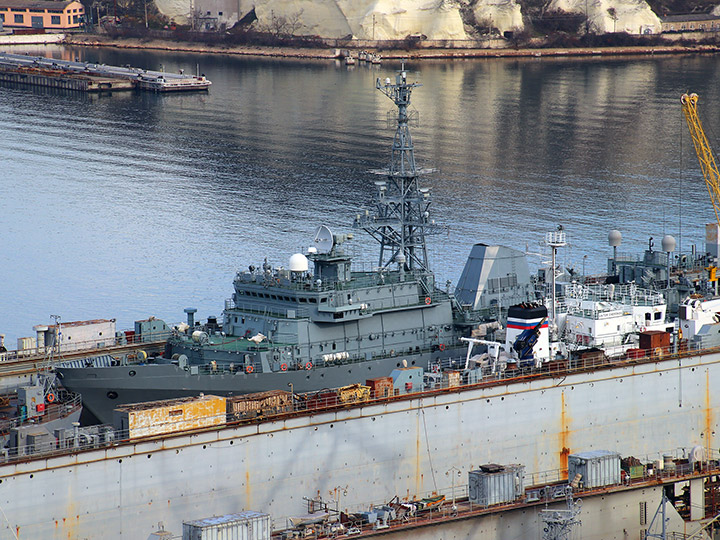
{"type": "Point", "coordinates": [334, 399]}
{"type": "Point", "coordinates": [89, 347]}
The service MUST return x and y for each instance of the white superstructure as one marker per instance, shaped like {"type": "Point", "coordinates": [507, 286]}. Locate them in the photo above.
{"type": "Point", "coordinates": [609, 316]}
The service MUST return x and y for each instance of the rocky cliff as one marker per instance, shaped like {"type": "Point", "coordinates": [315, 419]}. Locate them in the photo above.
{"type": "Point", "coordinates": [397, 19]}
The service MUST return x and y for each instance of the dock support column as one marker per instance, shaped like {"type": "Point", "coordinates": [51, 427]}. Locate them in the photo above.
{"type": "Point", "coordinates": [697, 499]}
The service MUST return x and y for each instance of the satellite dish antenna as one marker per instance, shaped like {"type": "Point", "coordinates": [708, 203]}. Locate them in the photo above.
{"type": "Point", "coordinates": [324, 239]}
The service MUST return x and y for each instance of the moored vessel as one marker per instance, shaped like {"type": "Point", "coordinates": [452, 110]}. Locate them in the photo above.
{"type": "Point", "coordinates": [310, 330]}
{"type": "Point", "coordinates": [336, 325]}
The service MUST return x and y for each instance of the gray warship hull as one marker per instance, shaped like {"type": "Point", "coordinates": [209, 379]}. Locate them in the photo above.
{"type": "Point", "coordinates": [105, 388]}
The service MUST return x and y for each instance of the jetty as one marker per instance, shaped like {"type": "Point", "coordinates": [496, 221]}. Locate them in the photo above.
{"type": "Point", "coordinates": [89, 77]}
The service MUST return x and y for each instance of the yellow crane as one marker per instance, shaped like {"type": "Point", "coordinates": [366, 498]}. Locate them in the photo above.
{"type": "Point", "coordinates": [705, 157]}
{"type": "Point", "coordinates": [703, 150]}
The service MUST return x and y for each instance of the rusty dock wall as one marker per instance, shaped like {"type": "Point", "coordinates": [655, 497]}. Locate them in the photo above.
{"type": "Point", "coordinates": [398, 447]}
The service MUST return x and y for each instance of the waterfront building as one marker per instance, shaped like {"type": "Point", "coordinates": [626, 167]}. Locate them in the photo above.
{"type": "Point", "coordinates": [42, 14]}
{"type": "Point", "coordinates": [691, 22]}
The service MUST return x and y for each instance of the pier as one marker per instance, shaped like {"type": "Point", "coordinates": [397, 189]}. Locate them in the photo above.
{"type": "Point", "coordinates": [89, 77]}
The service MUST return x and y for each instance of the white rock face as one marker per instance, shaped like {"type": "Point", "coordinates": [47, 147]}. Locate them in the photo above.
{"type": "Point", "coordinates": [503, 14]}
{"type": "Point", "coordinates": [631, 16]}
{"type": "Point", "coordinates": [176, 10]}
{"type": "Point", "coordinates": [362, 19]}
{"type": "Point", "coordinates": [397, 19]}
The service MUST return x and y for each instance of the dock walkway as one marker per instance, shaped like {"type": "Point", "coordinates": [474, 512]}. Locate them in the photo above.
{"type": "Point", "coordinates": [89, 77]}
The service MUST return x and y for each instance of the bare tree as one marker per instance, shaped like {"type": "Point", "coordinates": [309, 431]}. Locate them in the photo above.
{"type": "Point", "coordinates": [612, 12]}
{"type": "Point", "coordinates": [280, 26]}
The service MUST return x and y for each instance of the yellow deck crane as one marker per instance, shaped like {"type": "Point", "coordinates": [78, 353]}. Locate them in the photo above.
{"type": "Point", "coordinates": [706, 159]}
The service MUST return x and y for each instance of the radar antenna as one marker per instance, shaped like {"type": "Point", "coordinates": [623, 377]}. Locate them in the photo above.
{"type": "Point", "coordinates": [402, 218]}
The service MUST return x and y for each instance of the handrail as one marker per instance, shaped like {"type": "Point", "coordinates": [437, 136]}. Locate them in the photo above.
{"type": "Point", "coordinates": [329, 400]}
{"type": "Point", "coordinates": [80, 347]}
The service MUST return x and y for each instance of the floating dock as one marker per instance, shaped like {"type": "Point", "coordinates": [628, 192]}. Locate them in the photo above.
{"type": "Point", "coordinates": [397, 445]}
{"type": "Point", "coordinates": [88, 77]}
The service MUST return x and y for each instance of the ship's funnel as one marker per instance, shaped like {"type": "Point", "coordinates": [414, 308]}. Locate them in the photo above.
{"type": "Point", "coordinates": [191, 316]}
{"type": "Point", "coordinates": [523, 320]}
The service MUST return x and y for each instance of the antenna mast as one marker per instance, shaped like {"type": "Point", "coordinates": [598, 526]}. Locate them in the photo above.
{"type": "Point", "coordinates": [402, 218]}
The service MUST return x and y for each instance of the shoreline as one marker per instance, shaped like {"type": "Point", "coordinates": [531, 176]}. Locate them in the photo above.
{"type": "Point", "coordinates": [85, 40]}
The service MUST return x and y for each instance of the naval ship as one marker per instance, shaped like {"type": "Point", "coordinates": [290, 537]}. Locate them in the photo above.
{"type": "Point", "coordinates": [634, 399]}
{"type": "Point", "coordinates": [293, 328]}
{"type": "Point", "coordinates": [307, 330]}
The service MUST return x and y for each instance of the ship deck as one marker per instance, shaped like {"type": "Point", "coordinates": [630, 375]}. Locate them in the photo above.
{"type": "Point", "coordinates": [300, 408]}
{"type": "Point", "coordinates": [547, 488]}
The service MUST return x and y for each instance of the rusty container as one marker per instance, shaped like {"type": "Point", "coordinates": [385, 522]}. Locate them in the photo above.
{"type": "Point", "coordinates": [380, 387]}
{"type": "Point", "coordinates": [322, 399]}
{"type": "Point", "coordinates": [257, 404]}
{"type": "Point", "coordinates": [634, 354]}
{"type": "Point", "coordinates": [652, 339]}
{"type": "Point", "coordinates": [170, 416]}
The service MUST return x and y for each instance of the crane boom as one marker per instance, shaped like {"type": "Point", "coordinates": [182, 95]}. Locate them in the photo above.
{"type": "Point", "coordinates": [703, 150]}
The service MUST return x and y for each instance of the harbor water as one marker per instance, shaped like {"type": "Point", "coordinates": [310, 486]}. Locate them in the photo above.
{"type": "Point", "coordinates": [132, 205]}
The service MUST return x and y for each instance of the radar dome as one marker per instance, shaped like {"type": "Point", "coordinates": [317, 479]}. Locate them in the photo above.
{"type": "Point", "coordinates": [668, 243]}
{"type": "Point", "coordinates": [614, 238]}
{"type": "Point", "coordinates": [298, 263]}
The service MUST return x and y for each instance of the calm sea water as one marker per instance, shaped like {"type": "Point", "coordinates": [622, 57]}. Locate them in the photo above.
{"type": "Point", "coordinates": [134, 205]}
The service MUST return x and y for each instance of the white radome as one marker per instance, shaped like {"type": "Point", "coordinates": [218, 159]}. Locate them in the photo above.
{"type": "Point", "coordinates": [298, 263]}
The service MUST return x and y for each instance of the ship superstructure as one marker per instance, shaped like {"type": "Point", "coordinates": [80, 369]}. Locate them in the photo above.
{"type": "Point", "coordinates": [319, 322]}
{"type": "Point", "coordinates": [525, 399]}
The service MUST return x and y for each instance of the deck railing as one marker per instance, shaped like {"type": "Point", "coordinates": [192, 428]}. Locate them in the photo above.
{"type": "Point", "coordinates": [88, 347]}
{"type": "Point", "coordinates": [436, 384]}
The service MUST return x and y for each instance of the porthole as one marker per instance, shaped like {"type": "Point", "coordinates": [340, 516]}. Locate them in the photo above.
{"type": "Point", "coordinates": [112, 394]}
{"type": "Point", "coordinates": [132, 373]}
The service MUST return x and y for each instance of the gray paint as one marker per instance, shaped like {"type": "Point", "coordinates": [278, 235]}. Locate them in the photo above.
{"type": "Point", "coordinates": [378, 451]}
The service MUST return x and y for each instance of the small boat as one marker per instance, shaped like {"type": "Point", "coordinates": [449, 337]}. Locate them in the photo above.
{"type": "Point", "coordinates": [164, 82]}
{"type": "Point", "coordinates": [349, 60]}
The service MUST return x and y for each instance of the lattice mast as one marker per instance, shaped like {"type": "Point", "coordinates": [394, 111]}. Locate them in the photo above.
{"type": "Point", "coordinates": [402, 217]}
{"type": "Point", "coordinates": [562, 524]}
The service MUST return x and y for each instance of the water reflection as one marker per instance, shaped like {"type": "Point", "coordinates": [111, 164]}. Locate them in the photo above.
{"type": "Point", "coordinates": [136, 204]}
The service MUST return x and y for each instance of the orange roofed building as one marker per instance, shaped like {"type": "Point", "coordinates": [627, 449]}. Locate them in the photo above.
{"type": "Point", "coordinates": [42, 14]}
